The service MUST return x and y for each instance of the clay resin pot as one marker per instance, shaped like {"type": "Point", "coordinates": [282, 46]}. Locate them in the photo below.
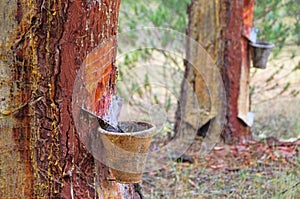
{"type": "Point", "coordinates": [260, 52]}
{"type": "Point", "coordinates": [126, 152]}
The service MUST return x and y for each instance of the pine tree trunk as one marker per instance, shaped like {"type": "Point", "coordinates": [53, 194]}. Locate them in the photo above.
{"type": "Point", "coordinates": [218, 27]}
{"type": "Point", "coordinates": [42, 46]}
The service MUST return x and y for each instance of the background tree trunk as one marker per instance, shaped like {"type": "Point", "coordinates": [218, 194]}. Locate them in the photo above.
{"type": "Point", "coordinates": [42, 45]}
{"type": "Point", "coordinates": [218, 26]}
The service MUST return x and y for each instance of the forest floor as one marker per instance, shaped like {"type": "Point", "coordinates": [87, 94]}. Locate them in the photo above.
{"type": "Point", "coordinates": [266, 167]}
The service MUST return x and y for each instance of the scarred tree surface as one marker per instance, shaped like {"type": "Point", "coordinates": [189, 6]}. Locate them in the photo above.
{"type": "Point", "coordinates": [219, 27]}
{"type": "Point", "coordinates": [42, 46]}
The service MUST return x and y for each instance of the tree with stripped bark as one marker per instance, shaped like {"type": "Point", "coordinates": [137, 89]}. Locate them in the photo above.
{"type": "Point", "coordinates": [222, 28]}
{"type": "Point", "coordinates": [42, 46]}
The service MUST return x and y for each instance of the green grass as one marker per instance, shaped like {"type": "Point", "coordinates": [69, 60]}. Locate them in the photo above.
{"type": "Point", "coordinates": [194, 181]}
{"type": "Point", "coordinates": [278, 118]}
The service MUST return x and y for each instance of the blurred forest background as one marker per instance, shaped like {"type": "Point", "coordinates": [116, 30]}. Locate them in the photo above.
{"type": "Point", "coordinates": [243, 171]}
{"type": "Point", "coordinates": [275, 91]}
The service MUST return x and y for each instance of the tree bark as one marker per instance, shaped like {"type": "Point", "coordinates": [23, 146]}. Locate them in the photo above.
{"type": "Point", "coordinates": [218, 27]}
{"type": "Point", "coordinates": [42, 45]}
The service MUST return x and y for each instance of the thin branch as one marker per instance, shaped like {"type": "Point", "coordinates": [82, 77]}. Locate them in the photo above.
{"type": "Point", "coordinates": [19, 108]}
{"type": "Point", "coordinates": [290, 188]}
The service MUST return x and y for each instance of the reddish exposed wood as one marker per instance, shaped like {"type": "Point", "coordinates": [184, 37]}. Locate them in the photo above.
{"type": "Point", "coordinates": [46, 48]}
{"type": "Point", "coordinates": [236, 64]}
{"type": "Point", "coordinates": [248, 16]}
{"type": "Point", "coordinates": [232, 67]}
{"type": "Point", "coordinates": [99, 73]}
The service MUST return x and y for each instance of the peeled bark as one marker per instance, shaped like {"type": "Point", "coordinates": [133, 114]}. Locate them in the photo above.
{"type": "Point", "coordinates": [42, 46]}
{"type": "Point", "coordinates": [218, 27]}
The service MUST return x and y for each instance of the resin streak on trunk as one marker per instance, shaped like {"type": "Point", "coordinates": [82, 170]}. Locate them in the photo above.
{"type": "Point", "coordinates": [43, 44]}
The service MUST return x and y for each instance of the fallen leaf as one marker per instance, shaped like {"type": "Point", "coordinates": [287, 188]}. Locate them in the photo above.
{"type": "Point", "coordinates": [218, 148]}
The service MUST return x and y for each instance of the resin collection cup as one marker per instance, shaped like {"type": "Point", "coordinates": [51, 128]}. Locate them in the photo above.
{"type": "Point", "coordinates": [260, 52]}
{"type": "Point", "coordinates": [126, 151]}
